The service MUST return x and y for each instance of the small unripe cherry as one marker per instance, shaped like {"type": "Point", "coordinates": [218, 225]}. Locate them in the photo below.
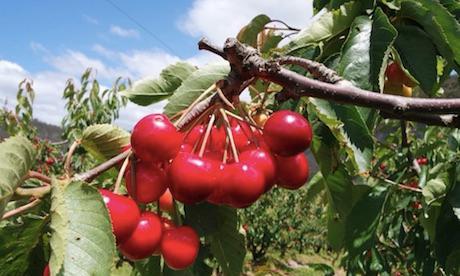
{"type": "Point", "coordinates": [179, 247]}
{"type": "Point", "coordinates": [124, 214]}
{"type": "Point", "coordinates": [292, 172]}
{"type": "Point", "coordinates": [287, 133]}
{"type": "Point", "coordinates": [145, 239]}
{"type": "Point", "coordinates": [166, 201]}
{"type": "Point", "coordinates": [151, 182]}
{"type": "Point", "coordinates": [155, 138]}
{"type": "Point", "coordinates": [260, 118]}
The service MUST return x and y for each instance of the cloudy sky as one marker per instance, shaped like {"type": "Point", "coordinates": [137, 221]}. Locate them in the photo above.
{"type": "Point", "coordinates": [51, 41]}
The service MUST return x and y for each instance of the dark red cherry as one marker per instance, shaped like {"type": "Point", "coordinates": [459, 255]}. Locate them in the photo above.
{"type": "Point", "coordinates": [166, 201]}
{"type": "Point", "coordinates": [123, 212]}
{"type": "Point", "coordinates": [262, 160]}
{"type": "Point", "coordinates": [292, 172]}
{"type": "Point", "coordinates": [179, 247]}
{"type": "Point", "coordinates": [192, 179]}
{"type": "Point", "coordinates": [194, 135]}
{"type": "Point", "coordinates": [287, 133]}
{"type": "Point", "coordinates": [151, 182]}
{"type": "Point", "coordinates": [155, 138]}
{"type": "Point", "coordinates": [145, 239]}
{"type": "Point", "coordinates": [46, 271]}
{"type": "Point", "coordinates": [242, 184]}
{"type": "Point", "coordinates": [241, 132]}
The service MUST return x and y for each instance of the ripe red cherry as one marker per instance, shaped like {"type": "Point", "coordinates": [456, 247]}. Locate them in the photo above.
{"type": "Point", "coordinates": [241, 132]}
{"type": "Point", "coordinates": [50, 161]}
{"type": "Point", "coordinates": [217, 139]}
{"type": "Point", "coordinates": [262, 160]}
{"type": "Point", "coordinates": [394, 73]}
{"type": "Point", "coordinates": [166, 201]}
{"type": "Point", "coordinates": [151, 182]}
{"type": "Point", "coordinates": [292, 172]}
{"type": "Point", "coordinates": [166, 225]}
{"type": "Point", "coordinates": [192, 179]}
{"type": "Point", "coordinates": [242, 184]}
{"type": "Point", "coordinates": [180, 247]}
{"type": "Point", "coordinates": [46, 271]}
{"type": "Point", "coordinates": [145, 239]}
{"type": "Point", "coordinates": [287, 133]}
{"type": "Point", "coordinates": [155, 138]}
{"type": "Point", "coordinates": [124, 214]}
{"type": "Point", "coordinates": [194, 135]}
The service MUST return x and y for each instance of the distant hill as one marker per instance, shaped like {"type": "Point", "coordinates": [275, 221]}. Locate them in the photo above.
{"type": "Point", "coordinates": [45, 131]}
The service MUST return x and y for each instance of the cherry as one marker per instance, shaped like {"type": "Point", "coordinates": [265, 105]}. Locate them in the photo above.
{"type": "Point", "coordinates": [123, 212]}
{"type": "Point", "coordinates": [167, 224]}
{"type": "Point", "coordinates": [394, 73]}
{"type": "Point", "coordinates": [50, 161]}
{"type": "Point", "coordinates": [192, 179]}
{"type": "Point", "coordinates": [217, 139]}
{"type": "Point", "coordinates": [195, 135]}
{"type": "Point", "coordinates": [179, 247]}
{"type": "Point", "coordinates": [292, 172]}
{"type": "Point", "coordinates": [287, 133]}
{"type": "Point", "coordinates": [151, 182]}
{"type": "Point", "coordinates": [145, 239]}
{"type": "Point", "coordinates": [166, 201]}
{"type": "Point", "coordinates": [155, 138]}
{"type": "Point", "coordinates": [422, 161]}
{"type": "Point", "coordinates": [242, 184]}
{"type": "Point", "coordinates": [262, 160]}
{"type": "Point", "coordinates": [260, 118]}
{"type": "Point", "coordinates": [241, 132]}
{"type": "Point", "coordinates": [46, 271]}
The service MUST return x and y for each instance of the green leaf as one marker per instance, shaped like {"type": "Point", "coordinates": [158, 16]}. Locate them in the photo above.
{"type": "Point", "coordinates": [82, 242]}
{"type": "Point", "coordinates": [17, 243]}
{"type": "Point", "coordinates": [454, 199]}
{"type": "Point", "coordinates": [150, 266]}
{"type": "Point", "coordinates": [104, 141]}
{"type": "Point", "coordinates": [152, 90]}
{"type": "Point", "coordinates": [271, 41]}
{"type": "Point", "coordinates": [382, 38]}
{"type": "Point", "coordinates": [248, 34]}
{"type": "Point", "coordinates": [194, 85]}
{"type": "Point", "coordinates": [219, 226]}
{"type": "Point", "coordinates": [453, 6]}
{"type": "Point", "coordinates": [439, 24]}
{"type": "Point", "coordinates": [419, 61]}
{"type": "Point", "coordinates": [447, 243]}
{"type": "Point", "coordinates": [17, 155]}
{"type": "Point", "coordinates": [349, 128]}
{"type": "Point", "coordinates": [434, 190]}
{"type": "Point", "coordinates": [327, 25]}
{"type": "Point", "coordinates": [362, 222]}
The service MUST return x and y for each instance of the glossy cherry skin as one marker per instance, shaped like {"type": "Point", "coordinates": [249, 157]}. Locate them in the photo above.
{"type": "Point", "coordinates": [262, 160]}
{"type": "Point", "coordinates": [145, 239]}
{"type": "Point", "coordinates": [287, 133]}
{"type": "Point", "coordinates": [194, 135]}
{"type": "Point", "coordinates": [179, 247]}
{"type": "Point", "coordinates": [292, 172]}
{"type": "Point", "coordinates": [151, 182]}
{"type": "Point", "coordinates": [241, 132]}
{"type": "Point", "coordinates": [166, 225]}
{"type": "Point", "coordinates": [46, 271]}
{"type": "Point", "coordinates": [192, 179]}
{"type": "Point", "coordinates": [394, 73]}
{"type": "Point", "coordinates": [166, 201]}
{"type": "Point", "coordinates": [123, 212]}
{"type": "Point", "coordinates": [155, 138]}
{"type": "Point", "coordinates": [242, 184]}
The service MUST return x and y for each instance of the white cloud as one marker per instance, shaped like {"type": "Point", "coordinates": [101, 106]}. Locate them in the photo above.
{"type": "Point", "coordinates": [122, 32]}
{"type": "Point", "coordinates": [90, 19]}
{"type": "Point", "coordinates": [220, 19]}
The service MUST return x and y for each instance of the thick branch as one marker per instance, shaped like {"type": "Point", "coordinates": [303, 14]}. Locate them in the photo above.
{"type": "Point", "coordinates": [95, 172]}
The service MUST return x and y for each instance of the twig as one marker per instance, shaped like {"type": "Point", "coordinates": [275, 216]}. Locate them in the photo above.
{"type": "Point", "coordinates": [179, 122]}
{"type": "Point", "coordinates": [95, 172]}
{"type": "Point", "coordinates": [37, 192]}
{"type": "Point", "coordinates": [230, 135]}
{"type": "Point", "coordinates": [405, 144]}
{"type": "Point", "coordinates": [401, 186]}
{"type": "Point", "coordinates": [243, 120]}
{"type": "Point", "coordinates": [285, 24]}
{"type": "Point", "coordinates": [121, 173]}
{"type": "Point", "coordinates": [68, 159]}
{"type": "Point", "coordinates": [21, 209]}
{"type": "Point", "coordinates": [39, 176]}
{"type": "Point", "coordinates": [223, 98]}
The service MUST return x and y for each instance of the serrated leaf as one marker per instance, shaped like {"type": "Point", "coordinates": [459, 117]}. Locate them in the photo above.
{"type": "Point", "coordinates": [382, 38]}
{"type": "Point", "coordinates": [326, 25]}
{"type": "Point", "coordinates": [421, 62]}
{"type": "Point", "coordinates": [219, 226]}
{"type": "Point", "coordinates": [104, 141]}
{"type": "Point", "coordinates": [434, 190]}
{"type": "Point", "coordinates": [151, 90]}
{"type": "Point", "coordinates": [248, 34]}
{"type": "Point", "coordinates": [17, 155]}
{"type": "Point", "coordinates": [453, 6]}
{"type": "Point", "coordinates": [349, 128]}
{"type": "Point", "coordinates": [82, 242]}
{"type": "Point", "coordinates": [439, 24]}
{"type": "Point", "coordinates": [17, 243]}
{"type": "Point", "coordinates": [194, 85]}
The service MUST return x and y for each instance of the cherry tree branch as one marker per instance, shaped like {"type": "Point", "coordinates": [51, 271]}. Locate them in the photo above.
{"type": "Point", "coordinates": [21, 209]}
{"type": "Point", "coordinates": [39, 176]}
{"type": "Point", "coordinates": [95, 172]}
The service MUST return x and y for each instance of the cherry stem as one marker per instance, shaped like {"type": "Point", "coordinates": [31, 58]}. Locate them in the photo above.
{"type": "Point", "coordinates": [121, 173]}
{"type": "Point", "coordinates": [21, 209]}
{"type": "Point", "coordinates": [194, 103]}
{"type": "Point", "coordinates": [224, 157]}
{"type": "Point", "coordinates": [39, 176]}
{"type": "Point", "coordinates": [223, 98]}
{"type": "Point", "coordinates": [401, 186]}
{"type": "Point", "coordinates": [68, 159]}
{"type": "Point", "coordinates": [133, 176]}
{"type": "Point", "coordinates": [206, 135]}
{"type": "Point", "coordinates": [230, 135]}
{"type": "Point", "coordinates": [243, 120]}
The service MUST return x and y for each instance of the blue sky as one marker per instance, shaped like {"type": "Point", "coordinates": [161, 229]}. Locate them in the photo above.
{"type": "Point", "coordinates": [50, 41]}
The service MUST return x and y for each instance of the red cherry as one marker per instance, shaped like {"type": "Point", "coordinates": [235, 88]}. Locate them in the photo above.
{"type": "Point", "coordinates": [145, 239]}
{"type": "Point", "coordinates": [394, 73]}
{"type": "Point", "coordinates": [292, 172]}
{"type": "Point", "coordinates": [241, 132]}
{"type": "Point", "coordinates": [287, 133]}
{"type": "Point", "coordinates": [166, 201]}
{"type": "Point", "coordinates": [217, 139]}
{"type": "Point", "coordinates": [167, 224]}
{"type": "Point", "coordinates": [194, 135]}
{"type": "Point", "coordinates": [262, 160]}
{"type": "Point", "coordinates": [192, 179]}
{"type": "Point", "coordinates": [219, 196]}
{"type": "Point", "coordinates": [422, 161]}
{"type": "Point", "coordinates": [180, 247]}
{"type": "Point", "coordinates": [242, 184]}
{"type": "Point", "coordinates": [50, 161]}
{"type": "Point", "coordinates": [155, 138]}
{"type": "Point", "coordinates": [124, 214]}
{"type": "Point", "coordinates": [46, 271]}
{"type": "Point", "coordinates": [151, 182]}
